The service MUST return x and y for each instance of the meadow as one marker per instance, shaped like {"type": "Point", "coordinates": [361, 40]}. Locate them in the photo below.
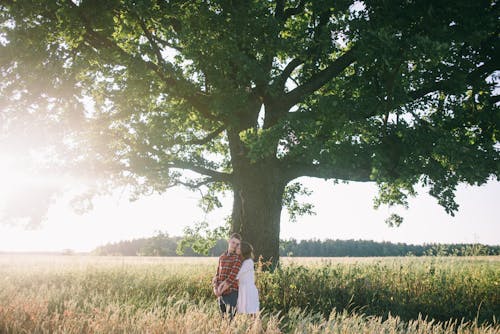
{"type": "Point", "coordinates": [87, 294]}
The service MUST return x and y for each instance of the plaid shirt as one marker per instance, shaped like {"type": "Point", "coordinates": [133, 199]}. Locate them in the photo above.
{"type": "Point", "coordinates": [229, 266]}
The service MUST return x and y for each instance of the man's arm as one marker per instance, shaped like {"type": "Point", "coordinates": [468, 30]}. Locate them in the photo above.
{"type": "Point", "coordinates": [214, 279]}
{"type": "Point", "coordinates": [215, 286]}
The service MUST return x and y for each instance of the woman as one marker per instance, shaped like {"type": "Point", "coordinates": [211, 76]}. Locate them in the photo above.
{"type": "Point", "coordinates": [248, 296]}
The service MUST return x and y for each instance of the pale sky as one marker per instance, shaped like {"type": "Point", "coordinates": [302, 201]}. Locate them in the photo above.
{"type": "Point", "coordinates": [343, 211]}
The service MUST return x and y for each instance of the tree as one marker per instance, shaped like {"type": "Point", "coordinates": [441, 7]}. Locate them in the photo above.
{"type": "Point", "coordinates": [251, 95]}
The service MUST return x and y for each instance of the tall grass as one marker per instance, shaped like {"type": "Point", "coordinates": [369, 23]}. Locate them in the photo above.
{"type": "Point", "coordinates": [118, 295]}
{"type": "Point", "coordinates": [441, 288]}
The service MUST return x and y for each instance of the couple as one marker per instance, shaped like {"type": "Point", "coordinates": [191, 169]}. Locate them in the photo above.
{"type": "Point", "coordinates": [234, 283]}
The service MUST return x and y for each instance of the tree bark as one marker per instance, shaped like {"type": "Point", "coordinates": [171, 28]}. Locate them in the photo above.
{"type": "Point", "coordinates": [258, 194]}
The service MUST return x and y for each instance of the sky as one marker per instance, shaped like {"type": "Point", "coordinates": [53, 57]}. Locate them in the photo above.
{"type": "Point", "coordinates": [343, 211]}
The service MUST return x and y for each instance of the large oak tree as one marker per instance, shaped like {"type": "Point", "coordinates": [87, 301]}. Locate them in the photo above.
{"type": "Point", "coordinates": [250, 95]}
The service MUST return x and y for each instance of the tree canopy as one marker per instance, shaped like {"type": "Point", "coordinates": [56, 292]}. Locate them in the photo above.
{"type": "Point", "coordinates": [251, 95]}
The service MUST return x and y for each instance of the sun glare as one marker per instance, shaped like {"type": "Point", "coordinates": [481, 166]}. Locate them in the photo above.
{"type": "Point", "coordinates": [10, 175]}
{"type": "Point", "coordinates": [15, 174]}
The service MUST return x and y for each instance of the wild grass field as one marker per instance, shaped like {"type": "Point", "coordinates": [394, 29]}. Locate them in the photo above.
{"type": "Point", "coordinates": [86, 294]}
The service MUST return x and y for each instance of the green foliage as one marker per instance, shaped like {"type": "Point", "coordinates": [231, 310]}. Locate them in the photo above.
{"type": "Point", "coordinates": [159, 245]}
{"type": "Point", "coordinates": [200, 238]}
{"type": "Point", "coordinates": [210, 198]}
{"type": "Point", "coordinates": [293, 206]}
{"type": "Point", "coordinates": [394, 220]}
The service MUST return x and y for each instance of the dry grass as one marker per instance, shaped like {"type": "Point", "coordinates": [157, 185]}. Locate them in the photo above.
{"type": "Point", "coordinates": [166, 295]}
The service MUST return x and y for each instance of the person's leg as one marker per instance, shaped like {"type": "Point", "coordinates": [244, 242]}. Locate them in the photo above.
{"type": "Point", "coordinates": [232, 300]}
{"type": "Point", "coordinates": [222, 306]}
{"type": "Point", "coordinates": [232, 313]}
{"type": "Point", "coordinates": [227, 304]}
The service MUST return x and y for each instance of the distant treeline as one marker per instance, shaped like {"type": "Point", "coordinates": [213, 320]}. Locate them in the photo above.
{"type": "Point", "coordinates": [164, 245]}
{"type": "Point", "coordinates": [363, 248]}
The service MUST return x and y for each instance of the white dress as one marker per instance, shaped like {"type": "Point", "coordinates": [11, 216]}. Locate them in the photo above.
{"type": "Point", "coordinates": [248, 296]}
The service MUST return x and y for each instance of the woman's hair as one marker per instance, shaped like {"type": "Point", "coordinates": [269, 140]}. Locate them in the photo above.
{"type": "Point", "coordinates": [246, 250]}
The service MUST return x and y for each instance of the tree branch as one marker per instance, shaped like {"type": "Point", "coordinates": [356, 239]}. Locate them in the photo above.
{"type": "Point", "coordinates": [279, 9]}
{"type": "Point", "coordinates": [320, 79]}
{"type": "Point", "coordinates": [197, 99]}
{"type": "Point", "coordinates": [154, 45]}
{"type": "Point", "coordinates": [283, 15]}
{"type": "Point", "coordinates": [358, 171]}
{"type": "Point", "coordinates": [154, 40]}
{"type": "Point", "coordinates": [495, 99]}
{"type": "Point", "coordinates": [289, 12]}
{"type": "Point", "coordinates": [287, 71]}
{"type": "Point", "coordinates": [481, 71]}
{"type": "Point", "coordinates": [165, 43]}
{"type": "Point", "coordinates": [419, 93]}
{"type": "Point", "coordinates": [215, 175]}
{"type": "Point", "coordinates": [202, 141]}
{"type": "Point", "coordinates": [195, 185]}
{"type": "Point", "coordinates": [294, 63]}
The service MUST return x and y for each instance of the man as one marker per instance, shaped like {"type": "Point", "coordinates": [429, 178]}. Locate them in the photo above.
{"type": "Point", "coordinates": [225, 283]}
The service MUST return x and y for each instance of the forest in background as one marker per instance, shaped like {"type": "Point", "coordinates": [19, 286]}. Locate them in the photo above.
{"type": "Point", "coordinates": [164, 245]}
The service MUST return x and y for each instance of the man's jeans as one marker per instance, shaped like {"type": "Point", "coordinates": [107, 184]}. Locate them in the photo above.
{"type": "Point", "coordinates": [227, 303]}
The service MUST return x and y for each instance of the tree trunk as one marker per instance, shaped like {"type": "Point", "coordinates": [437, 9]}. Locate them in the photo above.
{"type": "Point", "coordinates": [258, 194]}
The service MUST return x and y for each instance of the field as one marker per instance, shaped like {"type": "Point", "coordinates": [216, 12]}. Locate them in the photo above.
{"type": "Point", "coordinates": [84, 294]}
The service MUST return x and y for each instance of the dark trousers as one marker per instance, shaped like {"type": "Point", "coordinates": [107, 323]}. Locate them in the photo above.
{"type": "Point", "coordinates": [227, 304]}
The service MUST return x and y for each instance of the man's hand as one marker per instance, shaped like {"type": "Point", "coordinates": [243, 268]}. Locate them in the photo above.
{"type": "Point", "coordinates": [216, 291]}
{"type": "Point", "coordinates": [215, 286]}
{"type": "Point", "coordinates": [222, 287]}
